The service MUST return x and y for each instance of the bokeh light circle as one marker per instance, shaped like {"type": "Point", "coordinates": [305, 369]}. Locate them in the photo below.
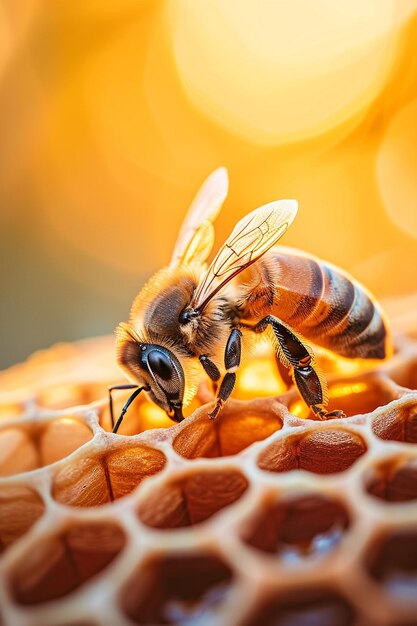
{"type": "Point", "coordinates": [396, 169]}
{"type": "Point", "coordinates": [265, 72]}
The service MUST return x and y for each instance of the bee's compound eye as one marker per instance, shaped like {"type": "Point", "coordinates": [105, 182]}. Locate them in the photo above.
{"type": "Point", "coordinates": [160, 364]}
{"type": "Point", "coordinates": [167, 372]}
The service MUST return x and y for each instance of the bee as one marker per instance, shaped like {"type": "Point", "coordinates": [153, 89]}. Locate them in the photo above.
{"type": "Point", "coordinates": [193, 316]}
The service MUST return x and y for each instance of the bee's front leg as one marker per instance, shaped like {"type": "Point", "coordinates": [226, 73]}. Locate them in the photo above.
{"type": "Point", "coordinates": [127, 403]}
{"type": "Point", "coordinates": [232, 356]}
{"type": "Point", "coordinates": [110, 389]}
{"type": "Point", "coordinates": [295, 355]}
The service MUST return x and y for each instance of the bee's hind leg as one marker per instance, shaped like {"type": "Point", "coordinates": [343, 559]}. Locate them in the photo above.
{"type": "Point", "coordinates": [310, 386]}
{"type": "Point", "coordinates": [232, 356]}
{"type": "Point", "coordinates": [322, 414]}
{"type": "Point", "coordinates": [295, 355]}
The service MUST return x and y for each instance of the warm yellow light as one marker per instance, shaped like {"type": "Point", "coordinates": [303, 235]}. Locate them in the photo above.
{"type": "Point", "coordinates": [310, 100]}
{"type": "Point", "coordinates": [15, 21]}
{"type": "Point", "coordinates": [279, 71]}
{"type": "Point", "coordinates": [346, 389]}
{"type": "Point", "coordinates": [259, 378]}
{"type": "Point", "coordinates": [300, 409]}
{"type": "Point", "coordinates": [343, 366]}
{"type": "Point", "coordinates": [9, 411]}
{"type": "Point", "coordinates": [153, 417]}
{"type": "Point", "coordinates": [70, 421]}
{"type": "Point", "coordinates": [397, 167]}
{"type": "Point", "coordinates": [339, 390]}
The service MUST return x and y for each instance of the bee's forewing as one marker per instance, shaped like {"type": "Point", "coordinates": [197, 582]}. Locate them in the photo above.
{"type": "Point", "coordinates": [252, 236]}
{"type": "Point", "coordinates": [196, 236]}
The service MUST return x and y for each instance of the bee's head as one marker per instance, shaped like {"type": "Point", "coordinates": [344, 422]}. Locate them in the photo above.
{"type": "Point", "coordinates": [158, 370]}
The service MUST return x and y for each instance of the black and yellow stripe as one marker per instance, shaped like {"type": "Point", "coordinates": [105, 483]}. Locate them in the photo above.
{"type": "Point", "coordinates": [328, 307]}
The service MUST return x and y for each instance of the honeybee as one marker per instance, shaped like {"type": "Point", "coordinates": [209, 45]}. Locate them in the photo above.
{"type": "Point", "coordinates": [192, 315]}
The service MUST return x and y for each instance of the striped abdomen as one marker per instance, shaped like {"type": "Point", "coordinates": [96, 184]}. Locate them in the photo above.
{"type": "Point", "coordinates": [328, 307]}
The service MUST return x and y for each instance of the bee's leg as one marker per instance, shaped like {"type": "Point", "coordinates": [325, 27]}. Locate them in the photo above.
{"type": "Point", "coordinates": [111, 399]}
{"type": "Point", "coordinates": [232, 356]}
{"type": "Point", "coordinates": [310, 385]}
{"type": "Point", "coordinates": [306, 374]}
{"type": "Point", "coordinates": [284, 372]}
{"type": "Point", "coordinates": [127, 405]}
{"type": "Point", "coordinates": [211, 370]}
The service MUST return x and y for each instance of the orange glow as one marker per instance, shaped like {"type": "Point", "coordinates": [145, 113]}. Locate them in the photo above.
{"type": "Point", "coordinates": [300, 409]}
{"type": "Point", "coordinates": [106, 137]}
{"type": "Point", "coordinates": [396, 167]}
{"type": "Point", "coordinates": [273, 63]}
{"type": "Point", "coordinates": [338, 365]}
{"type": "Point", "coordinates": [338, 391]}
{"type": "Point", "coordinates": [259, 378]}
{"type": "Point", "coordinates": [346, 389]}
{"type": "Point", "coordinates": [9, 411]}
{"type": "Point", "coordinates": [153, 417]}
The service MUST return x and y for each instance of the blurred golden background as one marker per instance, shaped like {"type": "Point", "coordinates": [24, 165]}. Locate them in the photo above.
{"type": "Point", "coordinates": [113, 112]}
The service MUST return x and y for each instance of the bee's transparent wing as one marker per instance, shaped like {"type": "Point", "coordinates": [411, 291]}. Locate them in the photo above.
{"type": "Point", "coordinates": [196, 236]}
{"type": "Point", "coordinates": [251, 238]}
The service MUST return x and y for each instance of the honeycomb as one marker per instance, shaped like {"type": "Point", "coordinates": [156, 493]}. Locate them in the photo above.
{"type": "Point", "coordinates": [261, 518]}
